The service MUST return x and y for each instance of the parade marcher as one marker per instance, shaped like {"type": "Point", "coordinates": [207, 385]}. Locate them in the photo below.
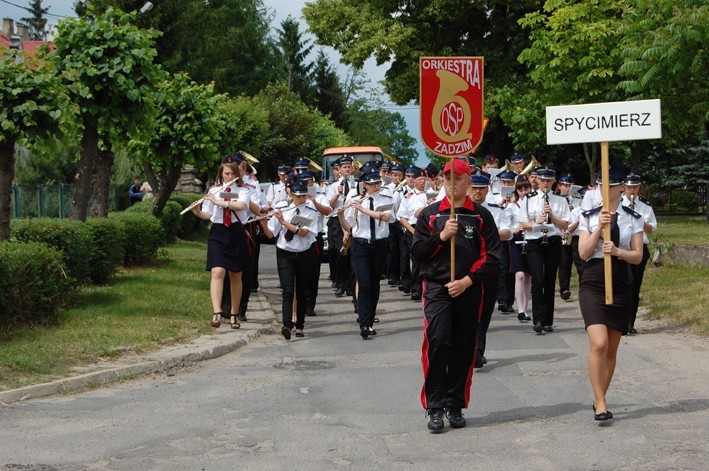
{"type": "Point", "coordinates": [226, 248]}
{"type": "Point", "coordinates": [433, 180]}
{"type": "Point", "coordinates": [295, 256]}
{"type": "Point", "coordinates": [316, 200]}
{"type": "Point", "coordinates": [452, 308]}
{"type": "Point", "coordinates": [519, 265]}
{"type": "Point", "coordinates": [574, 220]}
{"type": "Point", "coordinates": [479, 186]}
{"type": "Point", "coordinates": [367, 217]}
{"type": "Point", "coordinates": [506, 290]}
{"type": "Point", "coordinates": [337, 192]}
{"type": "Point", "coordinates": [396, 232]}
{"type": "Point", "coordinates": [563, 189]}
{"type": "Point", "coordinates": [534, 178]}
{"type": "Point", "coordinates": [411, 206]}
{"type": "Point", "coordinates": [545, 216]}
{"type": "Point", "coordinates": [300, 166]}
{"type": "Point", "coordinates": [277, 191]}
{"type": "Point", "coordinates": [489, 162]}
{"type": "Point", "coordinates": [405, 247]}
{"type": "Point", "coordinates": [331, 258]}
{"type": "Point", "coordinates": [605, 323]}
{"type": "Point", "coordinates": [643, 207]}
{"type": "Point", "coordinates": [517, 161]}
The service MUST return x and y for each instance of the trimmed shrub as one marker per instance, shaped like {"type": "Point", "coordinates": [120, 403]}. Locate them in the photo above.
{"type": "Point", "coordinates": [190, 225]}
{"type": "Point", "coordinates": [144, 235]}
{"type": "Point", "coordinates": [33, 286]}
{"type": "Point", "coordinates": [109, 241]}
{"type": "Point", "coordinates": [684, 200]}
{"type": "Point", "coordinates": [73, 238]}
{"type": "Point", "coordinates": [169, 220]}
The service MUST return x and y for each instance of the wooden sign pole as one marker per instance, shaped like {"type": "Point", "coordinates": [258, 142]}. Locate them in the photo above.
{"type": "Point", "coordinates": [452, 201]}
{"type": "Point", "coordinates": [605, 192]}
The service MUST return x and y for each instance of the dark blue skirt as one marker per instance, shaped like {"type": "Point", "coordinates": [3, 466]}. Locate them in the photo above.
{"type": "Point", "coordinates": [226, 247]}
{"type": "Point", "coordinates": [592, 295]}
{"type": "Point", "coordinates": [518, 261]}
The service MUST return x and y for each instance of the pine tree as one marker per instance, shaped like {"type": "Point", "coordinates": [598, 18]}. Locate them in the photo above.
{"type": "Point", "coordinates": [37, 22]}
{"type": "Point", "coordinates": [295, 50]}
{"type": "Point", "coordinates": [329, 96]}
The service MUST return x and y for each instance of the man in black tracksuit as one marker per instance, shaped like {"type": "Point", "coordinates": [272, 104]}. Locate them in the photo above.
{"type": "Point", "coordinates": [452, 308]}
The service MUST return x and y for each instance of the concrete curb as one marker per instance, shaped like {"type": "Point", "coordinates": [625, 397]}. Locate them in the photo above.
{"type": "Point", "coordinates": [261, 321]}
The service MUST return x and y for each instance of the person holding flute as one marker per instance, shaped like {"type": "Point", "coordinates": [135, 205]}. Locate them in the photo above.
{"type": "Point", "coordinates": [605, 323]}
{"type": "Point", "coordinates": [452, 293]}
{"type": "Point", "coordinates": [225, 206]}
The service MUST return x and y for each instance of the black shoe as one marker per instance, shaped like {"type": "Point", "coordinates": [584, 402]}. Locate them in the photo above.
{"type": "Point", "coordinates": [435, 420]}
{"type": "Point", "coordinates": [416, 297]}
{"type": "Point", "coordinates": [254, 290]}
{"type": "Point", "coordinates": [392, 282]}
{"type": "Point", "coordinates": [372, 331]}
{"type": "Point", "coordinates": [286, 332]}
{"type": "Point", "coordinates": [522, 316]}
{"type": "Point", "coordinates": [376, 320]}
{"type": "Point", "coordinates": [566, 294]}
{"type": "Point", "coordinates": [478, 362]}
{"type": "Point", "coordinates": [300, 334]}
{"type": "Point", "coordinates": [603, 416]}
{"type": "Point", "coordinates": [483, 359]}
{"type": "Point", "coordinates": [455, 417]}
{"type": "Point", "coordinates": [632, 330]}
{"type": "Point", "coordinates": [340, 292]}
{"type": "Point", "coordinates": [242, 317]}
{"type": "Point", "coordinates": [311, 313]}
{"type": "Point", "coordinates": [406, 289]}
{"type": "Point", "coordinates": [349, 293]}
{"type": "Point", "coordinates": [364, 332]}
{"type": "Point", "coordinates": [502, 307]}
{"type": "Point", "coordinates": [538, 328]}
{"type": "Point", "coordinates": [548, 328]}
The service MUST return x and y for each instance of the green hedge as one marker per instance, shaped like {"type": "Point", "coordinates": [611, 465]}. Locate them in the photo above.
{"type": "Point", "coordinates": [74, 239]}
{"type": "Point", "coordinates": [144, 235]}
{"type": "Point", "coordinates": [190, 225]}
{"type": "Point", "coordinates": [169, 220]}
{"type": "Point", "coordinates": [33, 285]}
{"type": "Point", "coordinates": [110, 240]}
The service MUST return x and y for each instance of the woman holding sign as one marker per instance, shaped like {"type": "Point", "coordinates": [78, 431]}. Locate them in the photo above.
{"type": "Point", "coordinates": [605, 323]}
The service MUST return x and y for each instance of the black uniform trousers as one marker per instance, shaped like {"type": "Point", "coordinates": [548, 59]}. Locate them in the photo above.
{"type": "Point", "coordinates": [543, 265]}
{"type": "Point", "coordinates": [448, 349]}
{"type": "Point", "coordinates": [565, 263]}
{"type": "Point", "coordinates": [579, 263]}
{"type": "Point", "coordinates": [490, 290]}
{"type": "Point", "coordinates": [393, 257]}
{"type": "Point", "coordinates": [638, 272]}
{"type": "Point", "coordinates": [343, 270]}
{"type": "Point", "coordinates": [506, 283]}
{"type": "Point", "coordinates": [416, 279]}
{"type": "Point", "coordinates": [254, 230]}
{"type": "Point", "coordinates": [314, 283]}
{"type": "Point", "coordinates": [368, 261]}
{"type": "Point", "coordinates": [294, 272]}
{"type": "Point", "coordinates": [405, 259]}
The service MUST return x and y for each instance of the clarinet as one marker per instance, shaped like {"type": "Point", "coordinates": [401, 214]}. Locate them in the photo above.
{"type": "Point", "coordinates": [545, 241]}
{"type": "Point", "coordinates": [565, 236]}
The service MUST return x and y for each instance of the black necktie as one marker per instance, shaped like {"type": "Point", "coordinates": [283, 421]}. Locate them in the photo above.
{"type": "Point", "coordinates": [372, 230]}
{"type": "Point", "coordinates": [289, 234]}
{"type": "Point", "coordinates": [615, 230]}
{"type": "Point", "coordinates": [347, 187]}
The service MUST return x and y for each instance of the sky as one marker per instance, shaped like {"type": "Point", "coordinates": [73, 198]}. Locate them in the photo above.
{"type": "Point", "coordinates": [281, 9]}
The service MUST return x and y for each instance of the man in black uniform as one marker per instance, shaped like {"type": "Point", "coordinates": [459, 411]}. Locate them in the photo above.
{"type": "Point", "coordinates": [452, 308]}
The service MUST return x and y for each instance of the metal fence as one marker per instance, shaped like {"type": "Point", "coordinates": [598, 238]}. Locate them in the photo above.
{"type": "Point", "coordinates": [30, 201]}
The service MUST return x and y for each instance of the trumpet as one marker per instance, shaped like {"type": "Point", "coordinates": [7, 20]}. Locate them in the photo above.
{"type": "Point", "coordinates": [199, 201]}
{"type": "Point", "coordinates": [312, 166]}
{"type": "Point", "coordinates": [249, 158]}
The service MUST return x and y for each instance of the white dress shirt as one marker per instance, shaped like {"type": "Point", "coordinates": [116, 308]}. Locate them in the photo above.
{"type": "Point", "coordinates": [361, 225]}
{"type": "Point", "coordinates": [643, 208]}
{"type": "Point", "coordinates": [627, 224]}
{"type": "Point", "coordinates": [240, 194]}
{"type": "Point", "coordinates": [533, 206]}
{"type": "Point", "coordinates": [298, 243]}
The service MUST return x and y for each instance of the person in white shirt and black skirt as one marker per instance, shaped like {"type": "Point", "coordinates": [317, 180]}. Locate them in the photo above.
{"type": "Point", "coordinates": [226, 248]}
{"type": "Point", "coordinates": [605, 323]}
{"type": "Point", "coordinates": [295, 256]}
{"type": "Point", "coordinates": [367, 217]}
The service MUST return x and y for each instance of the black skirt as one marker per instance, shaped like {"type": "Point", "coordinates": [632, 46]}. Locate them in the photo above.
{"type": "Point", "coordinates": [592, 295]}
{"type": "Point", "coordinates": [226, 247]}
{"type": "Point", "coordinates": [518, 260]}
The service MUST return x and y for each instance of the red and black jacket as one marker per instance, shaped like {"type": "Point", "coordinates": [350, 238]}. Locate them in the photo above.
{"type": "Point", "coordinates": [476, 243]}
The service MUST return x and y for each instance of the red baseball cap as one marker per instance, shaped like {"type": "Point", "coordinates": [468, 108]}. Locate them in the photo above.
{"type": "Point", "coordinates": [459, 167]}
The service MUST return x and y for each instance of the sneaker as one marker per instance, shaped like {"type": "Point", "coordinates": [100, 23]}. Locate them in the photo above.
{"type": "Point", "coordinates": [455, 417]}
{"type": "Point", "coordinates": [435, 420]}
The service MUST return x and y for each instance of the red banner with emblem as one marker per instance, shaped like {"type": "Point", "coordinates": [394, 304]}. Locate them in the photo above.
{"type": "Point", "coordinates": [451, 100]}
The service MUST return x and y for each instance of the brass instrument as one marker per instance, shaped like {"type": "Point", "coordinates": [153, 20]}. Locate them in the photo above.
{"type": "Point", "coordinates": [533, 163]}
{"type": "Point", "coordinates": [249, 158]}
{"type": "Point", "coordinates": [346, 243]}
{"type": "Point", "coordinates": [391, 159]}
{"type": "Point", "coordinates": [507, 166]}
{"type": "Point", "coordinates": [312, 166]}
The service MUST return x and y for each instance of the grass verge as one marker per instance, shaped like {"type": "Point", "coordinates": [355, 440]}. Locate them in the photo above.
{"type": "Point", "coordinates": [142, 309]}
{"type": "Point", "coordinates": [691, 230]}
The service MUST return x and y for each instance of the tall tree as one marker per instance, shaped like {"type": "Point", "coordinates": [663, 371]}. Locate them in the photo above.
{"type": "Point", "coordinates": [378, 127]}
{"type": "Point", "coordinates": [329, 95]}
{"type": "Point", "coordinates": [32, 106]}
{"type": "Point", "coordinates": [107, 64]}
{"type": "Point", "coordinates": [37, 22]}
{"type": "Point", "coordinates": [295, 50]}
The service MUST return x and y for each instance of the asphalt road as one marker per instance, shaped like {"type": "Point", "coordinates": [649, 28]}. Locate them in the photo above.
{"type": "Point", "coordinates": [333, 401]}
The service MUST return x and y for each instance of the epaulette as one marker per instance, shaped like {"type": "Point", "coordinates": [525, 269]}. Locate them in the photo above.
{"type": "Point", "coordinates": [644, 201]}
{"type": "Point", "coordinates": [409, 195]}
{"type": "Point", "coordinates": [247, 185]}
{"type": "Point", "coordinates": [632, 213]}
{"type": "Point", "coordinates": [533, 193]}
{"type": "Point", "coordinates": [592, 211]}
{"type": "Point", "coordinates": [386, 196]}
{"type": "Point", "coordinates": [493, 205]}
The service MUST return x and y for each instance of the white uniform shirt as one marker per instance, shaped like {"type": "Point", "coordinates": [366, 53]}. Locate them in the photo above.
{"type": "Point", "coordinates": [332, 191]}
{"type": "Point", "coordinates": [411, 203]}
{"type": "Point", "coordinates": [276, 192]}
{"type": "Point", "coordinates": [515, 212]}
{"type": "Point", "coordinates": [592, 199]}
{"type": "Point", "coordinates": [501, 215]}
{"type": "Point", "coordinates": [643, 209]}
{"type": "Point", "coordinates": [533, 206]}
{"type": "Point", "coordinates": [240, 194]}
{"type": "Point", "coordinates": [627, 223]}
{"type": "Point", "coordinates": [575, 216]}
{"type": "Point", "coordinates": [361, 226]}
{"type": "Point", "coordinates": [298, 243]}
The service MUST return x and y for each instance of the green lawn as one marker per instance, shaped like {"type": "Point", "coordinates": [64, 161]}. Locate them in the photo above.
{"type": "Point", "coordinates": [140, 310]}
{"type": "Point", "coordinates": [692, 230]}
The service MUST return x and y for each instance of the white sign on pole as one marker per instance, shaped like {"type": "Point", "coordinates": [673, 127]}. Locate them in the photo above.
{"type": "Point", "coordinates": [604, 122]}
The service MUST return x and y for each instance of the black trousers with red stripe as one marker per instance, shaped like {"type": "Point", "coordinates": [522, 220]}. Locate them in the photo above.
{"type": "Point", "coordinates": [448, 350]}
